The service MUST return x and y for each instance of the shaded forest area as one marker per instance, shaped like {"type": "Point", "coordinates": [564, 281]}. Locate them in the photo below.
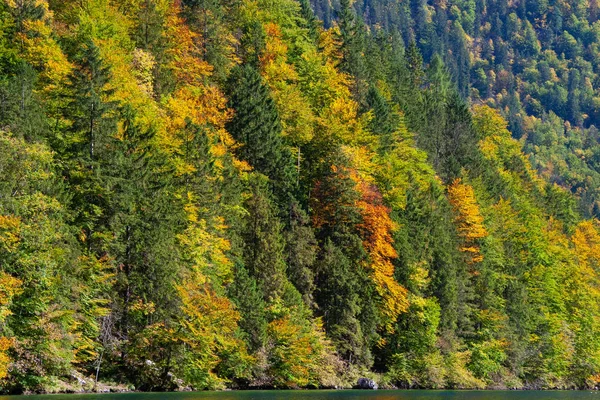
{"type": "Point", "coordinates": [207, 194]}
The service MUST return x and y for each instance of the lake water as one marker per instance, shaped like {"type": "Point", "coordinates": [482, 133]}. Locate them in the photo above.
{"type": "Point", "coordinates": [331, 395]}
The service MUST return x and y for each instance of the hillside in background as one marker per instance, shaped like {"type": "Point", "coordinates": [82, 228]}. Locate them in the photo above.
{"type": "Point", "coordinates": [537, 62]}
{"type": "Point", "coordinates": [207, 194]}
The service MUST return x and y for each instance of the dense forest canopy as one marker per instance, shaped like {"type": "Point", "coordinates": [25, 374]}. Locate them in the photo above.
{"type": "Point", "coordinates": [273, 193]}
{"type": "Point", "coordinates": [536, 61]}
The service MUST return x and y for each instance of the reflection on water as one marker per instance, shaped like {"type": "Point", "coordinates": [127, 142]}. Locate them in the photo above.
{"type": "Point", "coordinates": [331, 395]}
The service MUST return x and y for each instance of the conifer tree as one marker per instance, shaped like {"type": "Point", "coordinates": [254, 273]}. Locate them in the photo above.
{"type": "Point", "coordinates": [256, 125]}
{"type": "Point", "coordinates": [149, 25]}
{"type": "Point", "coordinates": [89, 106]}
{"type": "Point", "coordinates": [414, 61]}
{"type": "Point", "coordinates": [384, 121]}
{"type": "Point", "coordinates": [248, 297]}
{"type": "Point", "coordinates": [264, 255]}
{"type": "Point", "coordinates": [310, 22]}
{"type": "Point", "coordinates": [301, 247]}
{"type": "Point", "coordinates": [92, 116]}
{"type": "Point", "coordinates": [352, 48]}
{"type": "Point", "coordinates": [341, 304]}
{"type": "Point", "coordinates": [210, 18]}
{"type": "Point", "coordinates": [144, 219]}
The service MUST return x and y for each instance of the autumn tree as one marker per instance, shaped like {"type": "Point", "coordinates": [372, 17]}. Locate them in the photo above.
{"type": "Point", "coordinates": [376, 230]}
{"type": "Point", "coordinates": [468, 219]}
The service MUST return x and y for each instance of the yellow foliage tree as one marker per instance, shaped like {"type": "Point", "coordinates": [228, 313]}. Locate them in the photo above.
{"type": "Point", "coordinates": [194, 100]}
{"type": "Point", "coordinates": [469, 220]}
{"type": "Point", "coordinates": [208, 322]}
{"type": "Point", "coordinates": [583, 294]}
{"type": "Point", "coordinates": [38, 47]}
{"type": "Point", "coordinates": [300, 353]}
{"type": "Point", "coordinates": [297, 118]}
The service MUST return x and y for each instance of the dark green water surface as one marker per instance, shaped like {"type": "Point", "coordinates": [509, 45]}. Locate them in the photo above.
{"type": "Point", "coordinates": [331, 395]}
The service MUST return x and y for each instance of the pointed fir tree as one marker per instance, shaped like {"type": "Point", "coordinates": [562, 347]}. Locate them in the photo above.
{"type": "Point", "coordinates": [353, 38]}
{"type": "Point", "coordinates": [149, 26]}
{"type": "Point", "coordinates": [89, 108]}
{"type": "Point", "coordinates": [144, 221]}
{"type": "Point", "coordinates": [248, 297]}
{"type": "Point", "coordinates": [384, 121]}
{"type": "Point", "coordinates": [264, 252]}
{"type": "Point", "coordinates": [414, 61]}
{"type": "Point", "coordinates": [301, 249]}
{"type": "Point", "coordinates": [256, 125]}
{"type": "Point", "coordinates": [93, 123]}
{"type": "Point", "coordinates": [309, 21]}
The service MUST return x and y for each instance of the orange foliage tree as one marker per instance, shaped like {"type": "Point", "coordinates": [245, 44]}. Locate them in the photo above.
{"type": "Point", "coordinates": [9, 287]}
{"type": "Point", "coordinates": [376, 230]}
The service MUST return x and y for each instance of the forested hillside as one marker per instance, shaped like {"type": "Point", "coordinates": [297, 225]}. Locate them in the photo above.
{"type": "Point", "coordinates": [207, 194]}
{"type": "Point", "coordinates": [537, 61]}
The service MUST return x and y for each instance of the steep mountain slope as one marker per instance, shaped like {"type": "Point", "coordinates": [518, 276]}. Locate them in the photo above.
{"type": "Point", "coordinates": [225, 194]}
{"type": "Point", "coordinates": [535, 61]}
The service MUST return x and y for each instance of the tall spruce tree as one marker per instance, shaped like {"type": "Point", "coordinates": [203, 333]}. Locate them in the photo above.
{"type": "Point", "coordinates": [353, 38]}
{"type": "Point", "coordinates": [384, 121]}
{"type": "Point", "coordinates": [248, 297]}
{"type": "Point", "coordinates": [93, 123]}
{"type": "Point", "coordinates": [264, 255]}
{"type": "Point", "coordinates": [309, 21]}
{"type": "Point", "coordinates": [301, 248]}
{"type": "Point", "coordinates": [256, 125]}
{"type": "Point", "coordinates": [344, 292]}
{"type": "Point", "coordinates": [210, 19]}
{"type": "Point", "coordinates": [144, 221]}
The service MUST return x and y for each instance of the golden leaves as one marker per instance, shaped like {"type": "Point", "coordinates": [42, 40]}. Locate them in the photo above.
{"type": "Point", "coordinates": [208, 325]}
{"type": "Point", "coordinates": [468, 219]}
{"type": "Point", "coordinates": [205, 251]}
{"type": "Point", "coordinates": [297, 117]}
{"type": "Point", "coordinates": [185, 55]}
{"type": "Point", "coordinates": [143, 66]}
{"type": "Point", "coordinates": [9, 287]}
{"type": "Point", "coordinates": [9, 232]}
{"type": "Point", "coordinates": [586, 240]}
{"type": "Point", "coordinates": [5, 345]}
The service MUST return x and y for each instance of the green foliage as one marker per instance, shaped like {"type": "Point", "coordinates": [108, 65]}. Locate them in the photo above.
{"type": "Point", "coordinates": [215, 194]}
{"type": "Point", "coordinates": [256, 125]}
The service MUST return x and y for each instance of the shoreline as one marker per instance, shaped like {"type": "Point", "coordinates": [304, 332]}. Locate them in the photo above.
{"type": "Point", "coordinates": [114, 390]}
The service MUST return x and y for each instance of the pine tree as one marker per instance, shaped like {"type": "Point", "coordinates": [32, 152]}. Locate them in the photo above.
{"type": "Point", "coordinates": [144, 218]}
{"type": "Point", "coordinates": [256, 125]}
{"type": "Point", "coordinates": [345, 292]}
{"type": "Point", "coordinates": [210, 19]}
{"type": "Point", "coordinates": [301, 248]}
{"type": "Point", "coordinates": [92, 116]}
{"type": "Point", "coordinates": [443, 123]}
{"type": "Point", "coordinates": [461, 60]}
{"type": "Point", "coordinates": [89, 107]}
{"type": "Point", "coordinates": [310, 22]}
{"type": "Point", "coordinates": [384, 122]}
{"type": "Point", "coordinates": [248, 297]}
{"type": "Point", "coordinates": [414, 61]}
{"type": "Point", "coordinates": [341, 304]}
{"type": "Point", "coordinates": [264, 255]}
{"type": "Point", "coordinates": [149, 26]}
{"type": "Point", "coordinates": [352, 48]}
{"type": "Point", "coordinates": [573, 104]}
